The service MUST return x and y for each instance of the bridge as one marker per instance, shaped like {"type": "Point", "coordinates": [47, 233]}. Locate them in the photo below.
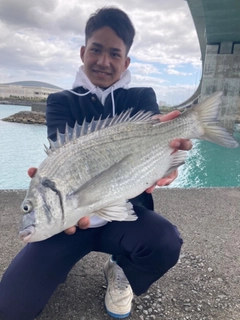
{"type": "Point", "coordinates": [217, 24]}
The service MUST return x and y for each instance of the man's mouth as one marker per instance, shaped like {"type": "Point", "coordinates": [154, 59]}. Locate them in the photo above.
{"type": "Point", "coordinates": [101, 73]}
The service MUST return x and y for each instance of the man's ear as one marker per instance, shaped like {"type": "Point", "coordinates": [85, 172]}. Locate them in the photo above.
{"type": "Point", "coordinates": [127, 62]}
{"type": "Point", "coordinates": [82, 51]}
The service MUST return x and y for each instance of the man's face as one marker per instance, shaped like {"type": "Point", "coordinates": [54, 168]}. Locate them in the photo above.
{"type": "Point", "coordinates": [104, 57]}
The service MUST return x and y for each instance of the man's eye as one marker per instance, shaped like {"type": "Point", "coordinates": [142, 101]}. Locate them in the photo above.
{"type": "Point", "coordinates": [116, 55]}
{"type": "Point", "coordinates": [95, 50]}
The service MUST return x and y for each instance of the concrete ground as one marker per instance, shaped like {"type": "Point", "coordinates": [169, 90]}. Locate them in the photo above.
{"type": "Point", "coordinates": [204, 285]}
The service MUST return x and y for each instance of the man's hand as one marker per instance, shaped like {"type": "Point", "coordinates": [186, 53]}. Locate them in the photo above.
{"type": "Point", "coordinates": [31, 172]}
{"type": "Point", "coordinates": [177, 144]}
{"type": "Point", "coordinates": [83, 223]}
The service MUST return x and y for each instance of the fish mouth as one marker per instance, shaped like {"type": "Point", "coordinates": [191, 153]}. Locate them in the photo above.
{"type": "Point", "coordinates": [27, 226]}
{"type": "Point", "coordinates": [27, 233]}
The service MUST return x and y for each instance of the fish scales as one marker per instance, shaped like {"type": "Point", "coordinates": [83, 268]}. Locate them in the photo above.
{"type": "Point", "coordinates": [102, 157]}
{"type": "Point", "coordinates": [96, 168]}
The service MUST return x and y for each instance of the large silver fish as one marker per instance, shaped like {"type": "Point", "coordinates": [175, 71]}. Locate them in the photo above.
{"type": "Point", "coordinates": [94, 168]}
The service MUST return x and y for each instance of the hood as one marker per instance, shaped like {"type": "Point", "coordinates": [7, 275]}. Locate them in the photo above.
{"type": "Point", "coordinates": [81, 80]}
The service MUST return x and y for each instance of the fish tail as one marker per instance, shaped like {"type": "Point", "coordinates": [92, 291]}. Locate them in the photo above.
{"type": "Point", "coordinates": [208, 111]}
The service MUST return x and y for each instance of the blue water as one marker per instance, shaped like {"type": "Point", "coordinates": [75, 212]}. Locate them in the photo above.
{"type": "Point", "coordinates": [22, 146]}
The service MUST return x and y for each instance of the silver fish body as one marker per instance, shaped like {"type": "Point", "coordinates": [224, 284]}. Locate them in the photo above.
{"type": "Point", "coordinates": [93, 169]}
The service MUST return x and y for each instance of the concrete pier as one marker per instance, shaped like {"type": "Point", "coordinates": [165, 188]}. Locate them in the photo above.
{"type": "Point", "coordinates": [222, 73]}
{"type": "Point", "coordinates": [205, 284]}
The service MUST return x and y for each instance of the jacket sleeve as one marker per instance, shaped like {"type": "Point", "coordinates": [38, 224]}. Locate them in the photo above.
{"type": "Point", "coordinates": [58, 114]}
{"type": "Point", "coordinates": [146, 100]}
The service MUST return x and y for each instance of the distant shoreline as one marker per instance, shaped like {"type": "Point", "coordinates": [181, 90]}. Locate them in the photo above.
{"type": "Point", "coordinates": [15, 102]}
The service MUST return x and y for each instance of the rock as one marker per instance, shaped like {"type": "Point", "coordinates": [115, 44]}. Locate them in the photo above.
{"type": "Point", "coordinates": [28, 117]}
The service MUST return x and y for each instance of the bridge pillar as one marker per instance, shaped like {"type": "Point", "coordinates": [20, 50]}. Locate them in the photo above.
{"type": "Point", "coordinates": [222, 72]}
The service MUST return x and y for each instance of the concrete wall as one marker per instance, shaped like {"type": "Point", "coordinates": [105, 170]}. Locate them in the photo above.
{"type": "Point", "coordinates": [222, 72]}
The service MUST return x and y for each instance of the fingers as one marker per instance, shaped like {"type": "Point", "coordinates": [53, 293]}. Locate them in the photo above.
{"type": "Point", "coordinates": [164, 181]}
{"type": "Point", "coordinates": [151, 189]}
{"type": "Point", "coordinates": [167, 180]}
{"type": "Point", "coordinates": [169, 116]}
{"type": "Point", "coordinates": [71, 230]}
{"type": "Point", "coordinates": [84, 223]}
{"type": "Point", "coordinates": [181, 144]}
{"type": "Point", "coordinates": [31, 172]}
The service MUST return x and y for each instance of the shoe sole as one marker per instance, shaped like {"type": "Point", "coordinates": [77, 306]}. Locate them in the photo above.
{"type": "Point", "coordinates": [117, 316]}
{"type": "Point", "coordinates": [114, 315]}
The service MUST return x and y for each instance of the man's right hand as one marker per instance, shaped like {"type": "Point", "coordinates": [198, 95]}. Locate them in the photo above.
{"type": "Point", "coordinates": [83, 223]}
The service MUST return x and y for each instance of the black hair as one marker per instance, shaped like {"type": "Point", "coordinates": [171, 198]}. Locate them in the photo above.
{"type": "Point", "coordinates": [115, 19]}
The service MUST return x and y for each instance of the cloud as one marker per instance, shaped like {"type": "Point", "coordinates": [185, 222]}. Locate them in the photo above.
{"type": "Point", "coordinates": [40, 40]}
{"type": "Point", "coordinates": [27, 13]}
{"type": "Point", "coordinates": [144, 68]}
{"type": "Point", "coordinates": [171, 70]}
{"type": "Point", "coordinates": [165, 91]}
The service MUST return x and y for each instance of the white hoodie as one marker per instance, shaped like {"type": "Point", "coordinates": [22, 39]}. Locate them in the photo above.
{"type": "Point", "coordinates": [81, 80]}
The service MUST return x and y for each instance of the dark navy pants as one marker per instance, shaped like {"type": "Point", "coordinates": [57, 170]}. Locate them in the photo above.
{"type": "Point", "coordinates": [145, 249]}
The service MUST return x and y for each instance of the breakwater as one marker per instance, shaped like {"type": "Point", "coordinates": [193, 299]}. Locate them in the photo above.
{"type": "Point", "coordinates": [27, 117]}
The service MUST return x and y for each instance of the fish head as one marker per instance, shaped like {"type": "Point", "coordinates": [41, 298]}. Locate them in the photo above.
{"type": "Point", "coordinates": [42, 212]}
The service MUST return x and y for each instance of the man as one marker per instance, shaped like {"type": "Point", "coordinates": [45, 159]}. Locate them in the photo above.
{"type": "Point", "coordinates": [144, 249]}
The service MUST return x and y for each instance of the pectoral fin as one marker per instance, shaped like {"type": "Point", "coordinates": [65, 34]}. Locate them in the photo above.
{"type": "Point", "coordinates": [86, 195]}
{"type": "Point", "coordinates": [118, 211]}
{"type": "Point", "coordinates": [177, 159]}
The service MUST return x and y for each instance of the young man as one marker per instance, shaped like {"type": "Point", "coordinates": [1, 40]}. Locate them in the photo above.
{"type": "Point", "coordinates": [144, 249]}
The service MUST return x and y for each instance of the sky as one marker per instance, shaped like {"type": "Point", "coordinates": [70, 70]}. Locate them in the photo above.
{"type": "Point", "coordinates": [40, 41]}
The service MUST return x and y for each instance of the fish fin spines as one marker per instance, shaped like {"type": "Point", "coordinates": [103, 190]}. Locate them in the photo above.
{"type": "Point", "coordinates": [96, 125]}
{"type": "Point", "coordinates": [47, 150]}
{"type": "Point", "coordinates": [83, 128]}
{"type": "Point", "coordinates": [76, 131]}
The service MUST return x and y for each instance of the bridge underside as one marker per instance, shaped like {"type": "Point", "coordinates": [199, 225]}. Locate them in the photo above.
{"type": "Point", "coordinates": [222, 20]}
{"type": "Point", "coordinates": [217, 24]}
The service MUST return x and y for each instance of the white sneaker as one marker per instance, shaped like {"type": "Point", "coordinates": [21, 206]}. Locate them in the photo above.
{"type": "Point", "coordinates": [119, 295]}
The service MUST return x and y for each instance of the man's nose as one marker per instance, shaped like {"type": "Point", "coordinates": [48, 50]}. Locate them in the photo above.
{"type": "Point", "coordinates": [104, 60]}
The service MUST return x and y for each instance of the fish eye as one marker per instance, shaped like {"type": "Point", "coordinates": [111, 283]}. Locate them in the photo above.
{"type": "Point", "coordinates": [27, 207]}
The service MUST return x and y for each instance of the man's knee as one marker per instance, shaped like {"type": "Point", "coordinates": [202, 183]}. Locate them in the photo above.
{"type": "Point", "coordinates": [168, 246]}
{"type": "Point", "coordinates": [161, 248]}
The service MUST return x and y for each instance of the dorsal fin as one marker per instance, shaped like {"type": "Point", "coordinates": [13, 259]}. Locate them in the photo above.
{"type": "Point", "coordinates": [72, 134]}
